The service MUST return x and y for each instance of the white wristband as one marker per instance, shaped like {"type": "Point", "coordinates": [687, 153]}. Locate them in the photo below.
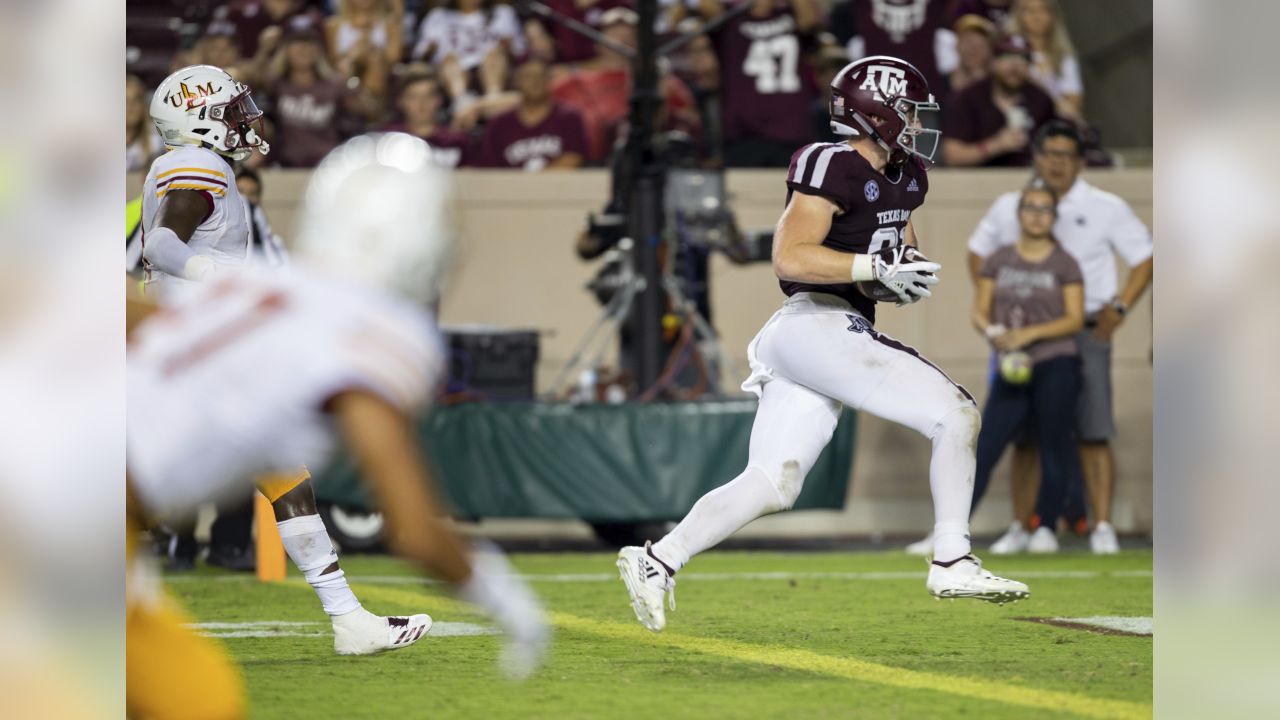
{"type": "Point", "coordinates": [864, 268]}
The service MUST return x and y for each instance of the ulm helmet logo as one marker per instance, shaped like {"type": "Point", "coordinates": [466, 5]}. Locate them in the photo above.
{"type": "Point", "coordinates": [193, 99]}
{"type": "Point", "coordinates": [886, 82]}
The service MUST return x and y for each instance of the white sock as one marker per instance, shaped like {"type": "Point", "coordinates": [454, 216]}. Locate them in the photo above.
{"type": "Point", "coordinates": [311, 550]}
{"type": "Point", "coordinates": [951, 473]}
{"type": "Point", "coordinates": [717, 515]}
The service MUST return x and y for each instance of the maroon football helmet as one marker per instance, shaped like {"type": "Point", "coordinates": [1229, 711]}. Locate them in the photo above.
{"type": "Point", "coordinates": [890, 89]}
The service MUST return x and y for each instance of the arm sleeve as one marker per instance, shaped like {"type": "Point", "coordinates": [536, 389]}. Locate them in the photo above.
{"type": "Point", "coordinates": [1129, 236]}
{"type": "Point", "coordinates": [165, 252]}
{"type": "Point", "coordinates": [992, 233]}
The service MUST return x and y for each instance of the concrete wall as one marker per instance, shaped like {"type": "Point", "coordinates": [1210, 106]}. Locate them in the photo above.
{"type": "Point", "coordinates": [518, 270]}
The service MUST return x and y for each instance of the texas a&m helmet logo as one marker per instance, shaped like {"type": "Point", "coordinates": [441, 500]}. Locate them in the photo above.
{"type": "Point", "coordinates": [885, 81]}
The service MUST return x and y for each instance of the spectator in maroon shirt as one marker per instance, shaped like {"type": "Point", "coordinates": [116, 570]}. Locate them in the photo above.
{"type": "Point", "coordinates": [308, 102]}
{"type": "Point", "coordinates": [421, 105]}
{"type": "Point", "coordinates": [914, 30]}
{"type": "Point", "coordinates": [556, 43]}
{"type": "Point", "coordinates": [600, 89]}
{"type": "Point", "coordinates": [539, 133]}
{"type": "Point", "coordinates": [990, 123]}
{"type": "Point", "coordinates": [766, 82]}
{"type": "Point", "coordinates": [975, 45]}
{"type": "Point", "coordinates": [254, 17]}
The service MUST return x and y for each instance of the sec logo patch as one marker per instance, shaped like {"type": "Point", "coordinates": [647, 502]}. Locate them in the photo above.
{"type": "Point", "coordinates": [871, 191]}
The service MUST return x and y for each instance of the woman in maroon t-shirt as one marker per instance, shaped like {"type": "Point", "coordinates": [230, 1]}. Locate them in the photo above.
{"type": "Point", "coordinates": [1030, 300]}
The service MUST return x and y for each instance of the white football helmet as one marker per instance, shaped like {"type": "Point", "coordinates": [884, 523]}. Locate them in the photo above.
{"type": "Point", "coordinates": [203, 105]}
{"type": "Point", "coordinates": [379, 210]}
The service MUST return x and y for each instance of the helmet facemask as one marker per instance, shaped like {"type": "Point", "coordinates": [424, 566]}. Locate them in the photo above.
{"type": "Point", "coordinates": [244, 124]}
{"type": "Point", "coordinates": [913, 131]}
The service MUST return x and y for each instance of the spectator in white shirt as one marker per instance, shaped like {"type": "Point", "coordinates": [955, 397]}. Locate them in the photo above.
{"type": "Point", "coordinates": [1093, 226]}
{"type": "Point", "coordinates": [472, 42]}
{"type": "Point", "coordinates": [1053, 57]}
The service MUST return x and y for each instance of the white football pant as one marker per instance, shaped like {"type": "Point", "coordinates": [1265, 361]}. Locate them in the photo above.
{"type": "Point", "coordinates": [814, 355]}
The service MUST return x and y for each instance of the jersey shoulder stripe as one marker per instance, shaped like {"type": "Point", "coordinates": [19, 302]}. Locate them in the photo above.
{"type": "Point", "coordinates": [189, 185]}
{"type": "Point", "coordinates": [191, 161]}
{"type": "Point", "coordinates": [811, 163]}
{"type": "Point", "coordinates": [200, 170]}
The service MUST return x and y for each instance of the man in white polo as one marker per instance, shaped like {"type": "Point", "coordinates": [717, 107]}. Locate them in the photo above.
{"type": "Point", "coordinates": [1093, 226]}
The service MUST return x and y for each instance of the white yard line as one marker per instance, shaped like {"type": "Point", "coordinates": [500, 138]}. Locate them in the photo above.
{"type": "Point", "coordinates": [712, 577]}
{"type": "Point", "coordinates": [1135, 625]}
{"type": "Point", "coordinates": [282, 628]}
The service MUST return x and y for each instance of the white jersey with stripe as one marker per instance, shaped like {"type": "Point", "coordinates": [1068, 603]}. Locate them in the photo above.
{"type": "Point", "coordinates": [230, 379]}
{"type": "Point", "coordinates": [224, 233]}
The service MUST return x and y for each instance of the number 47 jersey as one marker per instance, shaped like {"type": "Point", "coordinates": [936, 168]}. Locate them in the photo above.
{"type": "Point", "coordinates": [230, 380]}
{"type": "Point", "coordinates": [766, 86]}
{"type": "Point", "coordinates": [874, 207]}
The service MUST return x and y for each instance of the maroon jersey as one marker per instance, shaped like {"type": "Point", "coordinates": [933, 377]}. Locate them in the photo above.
{"type": "Point", "coordinates": [448, 148]}
{"type": "Point", "coordinates": [306, 119]}
{"type": "Point", "coordinates": [767, 86]}
{"type": "Point", "coordinates": [904, 29]}
{"type": "Point", "coordinates": [570, 46]}
{"type": "Point", "coordinates": [509, 143]}
{"type": "Point", "coordinates": [874, 207]}
{"type": "Point", "coordinates": [974, 116]}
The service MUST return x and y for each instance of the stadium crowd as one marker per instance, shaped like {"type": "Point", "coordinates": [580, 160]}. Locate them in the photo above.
{"type": "Point", "coordinates": [494, 84]}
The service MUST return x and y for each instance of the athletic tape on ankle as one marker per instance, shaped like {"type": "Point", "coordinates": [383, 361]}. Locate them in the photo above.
{"type": "Point", "coordinates": [307, 543]}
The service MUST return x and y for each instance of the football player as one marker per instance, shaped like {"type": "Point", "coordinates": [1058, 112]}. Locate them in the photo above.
{"type": "Point", "coordinates": [845, 239]}
{"type": "Point", "coordinates": [217, 393]}
{"type": "Point", "coordinates": [195, 227]}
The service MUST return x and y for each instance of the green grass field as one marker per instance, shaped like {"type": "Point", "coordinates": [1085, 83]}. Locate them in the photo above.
{"type": "Point", "coordinates": [804, 635]}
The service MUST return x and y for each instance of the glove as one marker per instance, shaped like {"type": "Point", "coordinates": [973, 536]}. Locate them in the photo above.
{"type": "Point", "coordinates": [906, 272]}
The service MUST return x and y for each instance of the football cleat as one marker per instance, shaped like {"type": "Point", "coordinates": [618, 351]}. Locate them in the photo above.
{"type": "Point", "coordinates": [647, 583]}
{"type": "Point", "coordinates": [1014, 541]}
{"type": "Point", "coordinates": [1103, 540]}
{"type": "Point", "coordinates": [360, 632]}
{"type": "Point", "coordinates": [922, 547]}
{"type": "Point", "coordinates": [1043, 541]}
{"type": "Point", "coordinates": [966, 578]}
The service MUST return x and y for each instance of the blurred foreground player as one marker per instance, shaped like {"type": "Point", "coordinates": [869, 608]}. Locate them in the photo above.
{"type": "Point", "coordinates": [197, 227]}
{"type": "Point", "coordinates": [845, 239]}
{"type": "Point", "coordinates": [219, 394]}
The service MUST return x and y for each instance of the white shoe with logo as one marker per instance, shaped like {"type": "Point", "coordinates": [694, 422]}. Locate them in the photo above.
{"type": "Point", "coordinates": [1043, 541]}
{"type": "Point", "coordinates": [648, 584]}
{"type": "Point", "coordinates": [966, 578]}
{"type": "Point", "coordinates": [360, 632]}
{"type": "Point", "coordinates": [1103, 540]}
{"type": "Point", "coordinates": [923, 547]}
{"type": "Point", "coordinates": [1014, 541]}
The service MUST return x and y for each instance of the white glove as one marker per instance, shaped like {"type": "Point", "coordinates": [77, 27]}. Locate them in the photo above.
{"type": "Point", "coordinates": [199, 268]}
{"type": "Point", "coordinates": [905, 271]}
{"type": "Point", "coordinates": [495, 587]}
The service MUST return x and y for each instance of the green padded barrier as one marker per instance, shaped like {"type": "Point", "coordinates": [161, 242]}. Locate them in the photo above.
{"type": "Point", "coordinates": [605, 463]}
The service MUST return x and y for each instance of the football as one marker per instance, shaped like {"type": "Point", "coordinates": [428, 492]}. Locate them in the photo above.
{"type": "Point", "coordinates": [876, 291]}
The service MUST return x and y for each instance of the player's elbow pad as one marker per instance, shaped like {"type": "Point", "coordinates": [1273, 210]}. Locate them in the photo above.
{"type": "Point", "coordinates": [166, 252]}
